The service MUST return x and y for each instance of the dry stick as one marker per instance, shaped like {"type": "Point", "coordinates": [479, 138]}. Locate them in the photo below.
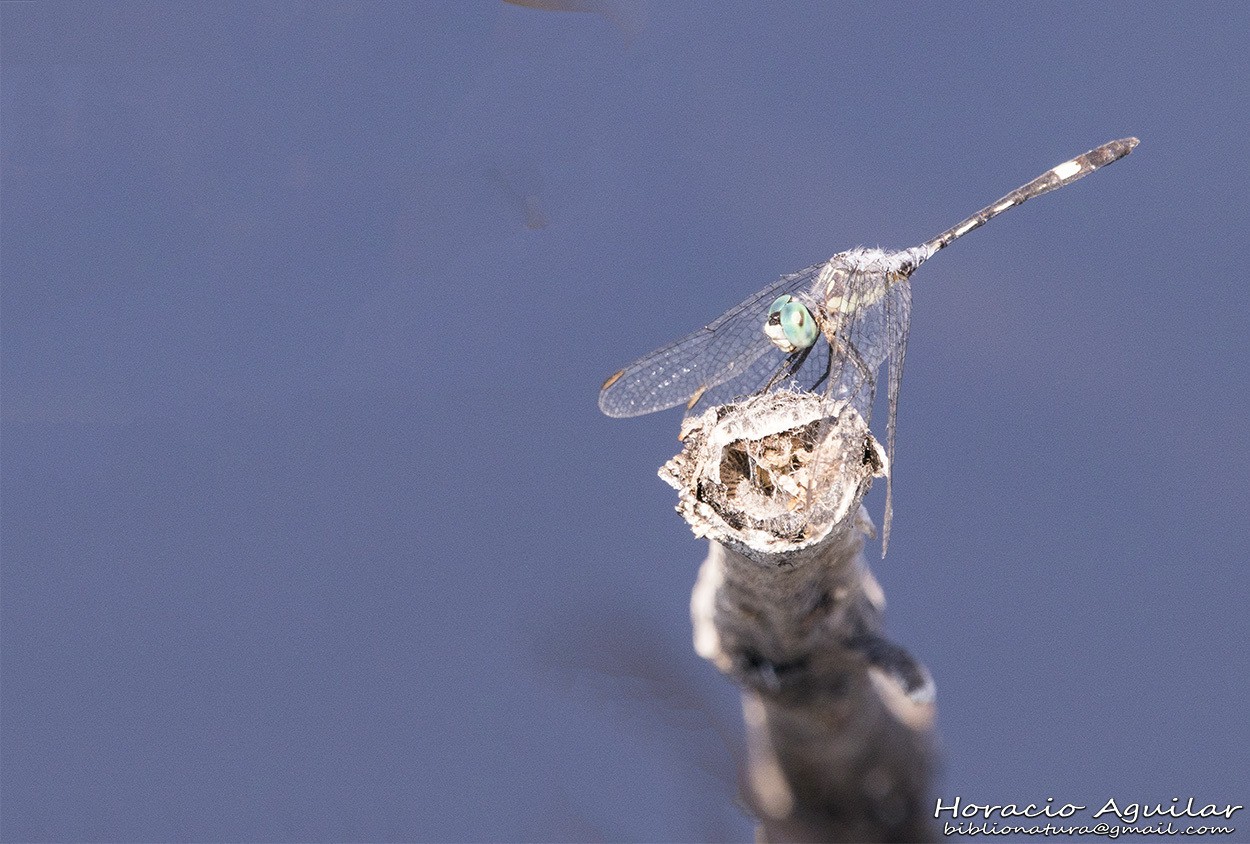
{"type": "Point", "coordinates": [839, 719]}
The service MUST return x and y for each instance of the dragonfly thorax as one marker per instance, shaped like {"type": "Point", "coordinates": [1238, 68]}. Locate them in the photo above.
{"type": "Point", "coordinates": [790, 325]}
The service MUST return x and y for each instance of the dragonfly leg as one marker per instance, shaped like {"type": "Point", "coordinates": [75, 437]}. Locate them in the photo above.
{"type": "Point", "coordinates": [777, 376]}
{"type": "Point", "coordinates": [828, 368]}
{"type": "Point", "coordinates": [788, 368]}
{"type": "Point", "coordinates": [798, 362]}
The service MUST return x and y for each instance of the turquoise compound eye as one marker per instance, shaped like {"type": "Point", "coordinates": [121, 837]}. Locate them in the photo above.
{"type": "Point", "coordinates": [798, 325]}
{"type": "Point", "coordinates": [777, 305]}
{"type": "Point", "coordinates": [790, 325]}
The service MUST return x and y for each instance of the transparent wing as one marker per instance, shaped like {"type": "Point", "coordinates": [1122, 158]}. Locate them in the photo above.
{"type": "Point", "coordinates": [865, 306]}
{"type": "Point", "coordinates": [877, 333]}
{"type": "Point", "coordinates": [897, 322]}
{"type": "Point", "coordinates": [808, 378]}
{"type": "Point", "coordinates": [727, 358]}
{"type": "Point", "coordinates": [869, 330]}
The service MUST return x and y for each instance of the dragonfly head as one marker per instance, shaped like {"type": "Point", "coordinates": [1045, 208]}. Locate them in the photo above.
{"type": "Point", "coordinates": [790, 325]}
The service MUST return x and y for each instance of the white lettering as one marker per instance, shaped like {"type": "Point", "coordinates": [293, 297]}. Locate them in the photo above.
{"type": "Point", "coordinates": [1109, 806]}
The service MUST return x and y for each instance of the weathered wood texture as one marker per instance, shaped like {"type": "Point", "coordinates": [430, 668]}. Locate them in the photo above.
{"type": "Point", "coordinates": [839, 719]}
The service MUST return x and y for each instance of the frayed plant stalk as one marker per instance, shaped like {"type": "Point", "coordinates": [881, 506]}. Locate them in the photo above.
{"type": "Point", "coordinates": [839, 719]}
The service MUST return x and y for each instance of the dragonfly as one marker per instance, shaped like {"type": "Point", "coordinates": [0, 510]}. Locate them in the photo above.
{"type": "Point", "coordinates": [829, 326]}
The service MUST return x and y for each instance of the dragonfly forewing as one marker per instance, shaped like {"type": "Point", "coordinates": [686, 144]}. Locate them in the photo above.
{"type": "Point", "coordinates": [730, 357]}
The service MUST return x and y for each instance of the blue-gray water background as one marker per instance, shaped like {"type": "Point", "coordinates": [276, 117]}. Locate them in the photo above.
{"type": "Point", "coordinates": [312, 529]}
